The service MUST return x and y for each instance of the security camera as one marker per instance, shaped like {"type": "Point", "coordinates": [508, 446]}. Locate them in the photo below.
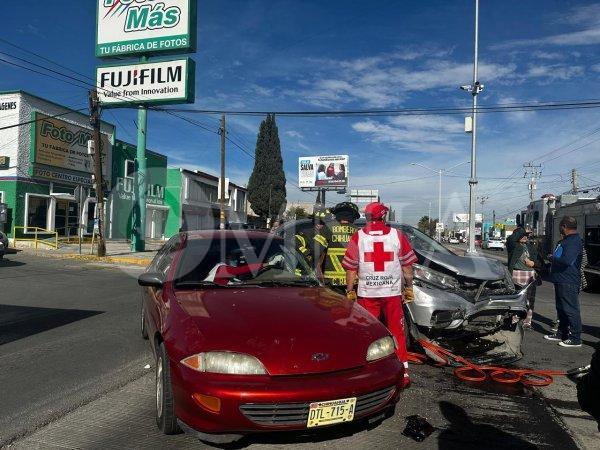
{"type": "Point", "coordinates": [466, 87]}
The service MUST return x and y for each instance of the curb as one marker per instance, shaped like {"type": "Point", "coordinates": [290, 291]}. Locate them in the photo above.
{"type": "Point", "coordinates": [143, 262]}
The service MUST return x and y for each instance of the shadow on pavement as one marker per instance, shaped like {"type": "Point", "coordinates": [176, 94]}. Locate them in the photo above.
{"type": "Point", "coordinates": [591, 330]}
{"type": "Point", "coordinates": [302, 437]}
{"type": "Point", "coordinates": [9, 263]}
{"type": "Point", "coordinates": [463, 433]}
{"type": "Point", "coordinates": [18, 322]}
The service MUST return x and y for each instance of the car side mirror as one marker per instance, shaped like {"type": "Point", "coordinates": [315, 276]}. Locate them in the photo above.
{"type": "Point", "coordinates": [151, 279]}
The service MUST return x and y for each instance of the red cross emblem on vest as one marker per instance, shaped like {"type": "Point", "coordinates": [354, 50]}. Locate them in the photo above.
{"type": "Point", "coordinates": [379, 257]}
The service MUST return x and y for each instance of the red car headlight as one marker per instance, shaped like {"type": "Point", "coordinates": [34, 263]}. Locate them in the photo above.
{"type": "Point", "coordinates": [225, 362]}
{"type": "Point", "coordinates": [381, 348]}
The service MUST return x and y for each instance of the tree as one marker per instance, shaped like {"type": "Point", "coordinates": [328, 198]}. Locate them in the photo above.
{"type": "Point", "coordinates": [426, 225]}
{"type": "Point", "coordinates": [295, 213]}
{"type": "Point", "coordinates": [266, 187]}
{"type": "Point", "coordinates": [423, 224]}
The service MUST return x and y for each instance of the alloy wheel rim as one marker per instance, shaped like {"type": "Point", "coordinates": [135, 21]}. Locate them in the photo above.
{"type": "Point", "coordinates": [159, 387]}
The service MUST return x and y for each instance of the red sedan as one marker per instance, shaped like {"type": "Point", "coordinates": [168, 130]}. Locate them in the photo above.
{"type": "Point", "coordinates": [247, 339]}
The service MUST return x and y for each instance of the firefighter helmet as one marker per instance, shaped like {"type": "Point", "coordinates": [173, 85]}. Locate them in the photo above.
{"type": "Point", "coordinates": [345, 211]}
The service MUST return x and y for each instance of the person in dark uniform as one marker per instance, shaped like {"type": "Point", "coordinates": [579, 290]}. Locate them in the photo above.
{"type": "Point", "coordinates": [313, 243]}
{"type": "Point", "coordinates": [341, 230]}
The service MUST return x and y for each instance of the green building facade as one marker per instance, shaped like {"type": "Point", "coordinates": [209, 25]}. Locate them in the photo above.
{"type": "Point", "coordinates": [121, 199]}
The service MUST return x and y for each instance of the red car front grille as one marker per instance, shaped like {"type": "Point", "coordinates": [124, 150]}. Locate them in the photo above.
{"type": "Point", "coordinates": [297, 413]}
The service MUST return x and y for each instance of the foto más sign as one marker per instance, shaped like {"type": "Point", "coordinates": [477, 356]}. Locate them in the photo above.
{"type": "Point", "coordinates": [129, 27]}
{"type": "Point", "coordinates": [164, 82]}
{"type": "Point", "coordinates": [62, 144]}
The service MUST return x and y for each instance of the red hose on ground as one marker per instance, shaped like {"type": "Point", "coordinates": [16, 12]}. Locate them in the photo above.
{"type": "Point", "coordinates": [469, 371]}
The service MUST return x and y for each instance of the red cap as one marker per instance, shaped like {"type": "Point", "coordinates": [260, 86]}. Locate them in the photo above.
{"type": "Point", "coordinates": [376, 210]}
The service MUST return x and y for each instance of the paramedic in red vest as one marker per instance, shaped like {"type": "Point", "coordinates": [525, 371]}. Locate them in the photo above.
{"type": "Point", "coordinates": [381, 258]}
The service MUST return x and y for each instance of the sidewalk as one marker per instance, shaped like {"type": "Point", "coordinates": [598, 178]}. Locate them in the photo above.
{"type": "Point", "coordinates": [117, 252]}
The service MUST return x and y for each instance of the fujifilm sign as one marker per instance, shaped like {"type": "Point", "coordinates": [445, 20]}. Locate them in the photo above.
{"type": "Point", "coordinates": [130, 27]}
{"type": "Point", "coordinates": [161, 82]}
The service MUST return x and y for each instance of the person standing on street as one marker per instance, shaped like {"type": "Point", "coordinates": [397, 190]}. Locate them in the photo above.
{"type": "Point", "coordinates": [381, 258]}
{"type": "Point", "coordinates": [511, 242]}
{"type": "Point", "coordinates": [340, 233]}
{"type": "Point", "coordinates": [565, 273]}
{"type": "Point", "coordinates": [521, 266]}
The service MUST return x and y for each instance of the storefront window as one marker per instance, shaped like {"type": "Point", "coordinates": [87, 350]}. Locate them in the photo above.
{"type": "Point", "coordinates": [37, 212]}
{"type": "Point", "coordinates": [129, 168]}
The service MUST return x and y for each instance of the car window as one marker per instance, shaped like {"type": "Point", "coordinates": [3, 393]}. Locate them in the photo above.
{"type": "Point", "coordinates": [241, 261]}
{"type": "Point", "coordinates": [420, 241]}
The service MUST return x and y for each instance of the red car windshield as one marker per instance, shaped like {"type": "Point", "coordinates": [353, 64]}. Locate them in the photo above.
{"type": "Point", "coordinates": [241, 261]}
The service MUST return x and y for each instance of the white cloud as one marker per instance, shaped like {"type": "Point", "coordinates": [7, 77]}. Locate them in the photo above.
{"type": "Point", "coordinates": [425, 134]}
{"type": "Point", "coordinates": [587, 18]}
{"type": "Point", "coordinates": [294, 134]}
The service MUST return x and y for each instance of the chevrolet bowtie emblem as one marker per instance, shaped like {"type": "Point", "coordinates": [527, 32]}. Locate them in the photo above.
{"type": "Point", "coordinates": [320, 357]}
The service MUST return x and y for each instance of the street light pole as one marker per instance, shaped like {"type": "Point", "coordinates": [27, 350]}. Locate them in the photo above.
{"type": "Point", "coordinates": [438, 233]}
{"type": "Point", "coordinates": [476, 88]}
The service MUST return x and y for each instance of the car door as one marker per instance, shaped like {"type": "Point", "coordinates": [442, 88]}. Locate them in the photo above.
{"type": "Point", "coordinates": [153, 302]}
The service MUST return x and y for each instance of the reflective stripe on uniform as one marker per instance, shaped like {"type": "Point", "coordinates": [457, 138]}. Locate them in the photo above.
{"type": "Point", "coordinates": [321, 240]}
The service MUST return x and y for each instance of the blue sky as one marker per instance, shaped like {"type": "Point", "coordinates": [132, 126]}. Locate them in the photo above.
{"type": "Point", "coordinates": [308, 55]}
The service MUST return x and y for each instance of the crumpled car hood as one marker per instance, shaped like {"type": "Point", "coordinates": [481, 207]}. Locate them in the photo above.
{"type": "Point", "coordinates": [476, 267]}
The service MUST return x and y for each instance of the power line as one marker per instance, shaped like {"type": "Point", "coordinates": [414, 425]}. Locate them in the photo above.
{"type": "Point", "coordinates": [401, 111]}
{"type": "Point", "coordinates": [20, 124]}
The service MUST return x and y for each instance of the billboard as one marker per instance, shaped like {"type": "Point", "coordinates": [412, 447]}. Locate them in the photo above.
{"type": "Point", "coordinates": [148, 27]}
{"type": "Point", "coordinates": [464, 217]}
{"type": "Point", "coordinates": [323, 172]}
{"type": "Point", "coordinates": [57, 143]}
{"type": "Point", "coordinates": [160, 82]}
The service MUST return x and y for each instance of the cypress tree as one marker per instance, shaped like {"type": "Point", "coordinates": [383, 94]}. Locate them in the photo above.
{"type": "Point", "coordinates": [268, 172]}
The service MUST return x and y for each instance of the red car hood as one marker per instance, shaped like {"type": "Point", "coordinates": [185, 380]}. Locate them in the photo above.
{"type": "Point", "coordinates": [290, 330]}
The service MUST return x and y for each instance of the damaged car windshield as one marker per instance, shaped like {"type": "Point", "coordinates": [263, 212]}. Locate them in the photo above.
{"type": "Point", "coordinates": [241, 261]}
{"type": "Point", "coordinates": [420, 241]}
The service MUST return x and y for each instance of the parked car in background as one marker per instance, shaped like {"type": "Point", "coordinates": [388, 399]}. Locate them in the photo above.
{"type": "Point", "coordinates": [494, 244]}
{"type": "Point", "coordinates": [453, 240]}
{"type": "Point", "coordinates": [3, 244]}
{"type": "Point", "coordinates": [467, 303]}
{"type": "Point", "coordinates": [247, 339]}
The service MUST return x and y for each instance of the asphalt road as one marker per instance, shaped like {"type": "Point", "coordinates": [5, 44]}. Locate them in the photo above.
{"type": "Point", "coordinates": [67, 335]}
{"type": "Point", "coordinates": [72, 376]}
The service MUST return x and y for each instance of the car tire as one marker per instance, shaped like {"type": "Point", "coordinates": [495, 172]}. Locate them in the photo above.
{"type": "Point", "coordinates": [165, 404]}
{"type": "Point", "coordinates": [143, 329]}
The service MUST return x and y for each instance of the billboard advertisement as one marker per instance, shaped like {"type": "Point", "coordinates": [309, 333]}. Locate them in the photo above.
{"type": "Point", "coordinates": [57, 143]}
{"type": "Point", "coordinates": [464, 217]}
{"type": "Point", "coordinates": [161, 82]}
{"type": "Point", "coordinates": [132, 27]}
{"type": "Point", "coordinates": [323, 172]}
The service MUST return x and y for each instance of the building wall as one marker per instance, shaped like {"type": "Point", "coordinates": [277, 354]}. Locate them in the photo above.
{"type": "Point", "coordinates": [122, 194]}
{"type": "Point", "coordinates": [19, 182]}
{"type": "Point", "coordinates": [173, 201]}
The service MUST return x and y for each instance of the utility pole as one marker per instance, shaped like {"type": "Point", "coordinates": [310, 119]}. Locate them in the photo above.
{"type": "Point", "coordinates": [474, 89]}
{"type": "Point", "coordinates": [97, 157]}
{"type": "Point", "coordinates": [574, 181]}
{"type": "Point", "coordinates": [535, 171]}
{"type": "Point", "coordinates": [222, 180]}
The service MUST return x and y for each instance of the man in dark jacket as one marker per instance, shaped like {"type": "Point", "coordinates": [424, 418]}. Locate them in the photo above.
{"type": "Point", "coordinates": [565, 273]}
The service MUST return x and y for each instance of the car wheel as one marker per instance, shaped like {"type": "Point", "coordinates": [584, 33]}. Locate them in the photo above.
{"type": "Point", "coordinates": [165, 405]}
{"type": "Point", "coordinates": [143, 329]}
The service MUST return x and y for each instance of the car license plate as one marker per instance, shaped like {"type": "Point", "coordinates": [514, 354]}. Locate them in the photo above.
{"type": "Point", "coordinates": [330, 412]}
